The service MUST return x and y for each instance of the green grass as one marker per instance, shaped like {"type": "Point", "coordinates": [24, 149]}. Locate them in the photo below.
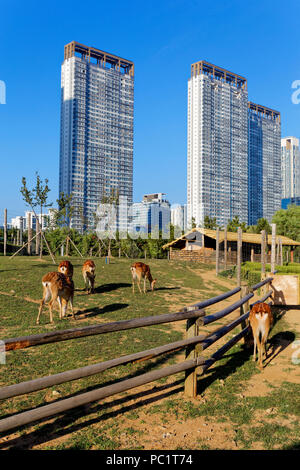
{"type": "Point", "coordinates": [99, 426]}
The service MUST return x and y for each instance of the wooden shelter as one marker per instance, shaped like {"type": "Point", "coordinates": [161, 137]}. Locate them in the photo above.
{"type": "Point", "coordinates": [199, 244]}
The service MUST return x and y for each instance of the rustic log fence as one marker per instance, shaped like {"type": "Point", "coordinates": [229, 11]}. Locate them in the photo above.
{"type": "Point", "coordinates": [193, 365]}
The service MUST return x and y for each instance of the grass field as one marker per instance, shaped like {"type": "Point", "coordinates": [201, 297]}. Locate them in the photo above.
{"type": "Point", "coordinates": [152, 416]}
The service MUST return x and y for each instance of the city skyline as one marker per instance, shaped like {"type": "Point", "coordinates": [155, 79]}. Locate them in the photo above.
{"type": "Point", "coordinates": [32, 103]}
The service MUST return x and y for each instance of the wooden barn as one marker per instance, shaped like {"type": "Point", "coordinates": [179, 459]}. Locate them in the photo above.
{"type": "Point", "coordinates": [199, 244]}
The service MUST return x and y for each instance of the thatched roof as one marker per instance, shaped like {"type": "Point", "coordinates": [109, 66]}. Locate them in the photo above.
{"type": "Point", "coordinates": [231, 236]}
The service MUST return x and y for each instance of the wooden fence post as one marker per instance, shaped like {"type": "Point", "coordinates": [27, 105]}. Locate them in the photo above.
{"type": "Point", "coordinates": [217, 250]}
{"type": "Point", "coordinates": [5, 232]}
{"type": "Point", "coordinates": [37, 242]}
{"type": "Point", "coordinates": [239, 256]}
{"type": "Point", "coordinates": [280, 252]}
{"type": "Point", "coordinates": [29, 234]}
{"type": "Point", "coordinates": [21, 231]}
{"type": "Point", "coordinates": [263, 251]}
{"type": "Point", "coordinates": [190, 383]}
{"type": "Point", "coordinates": [245, 290]}
{"type": "Point", "coordinates": [225, 248]}
{"type": "Point", "coordinates": [273, 248]}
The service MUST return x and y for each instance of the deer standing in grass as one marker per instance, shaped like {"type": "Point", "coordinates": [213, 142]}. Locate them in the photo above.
{"type": "Point", "coordinates": [66, 267]}
{"type": "Point", "coordinates": [88, 272]}
{"type": "Point", "coordinates": [141, 271]}
{"type": "Point", "coordinates": [261, 320]}
{"type": "Point", "coordinates": [57, 286]}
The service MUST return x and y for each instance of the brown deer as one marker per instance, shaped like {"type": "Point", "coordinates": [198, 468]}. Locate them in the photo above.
{"type": "Point", "coordinates": [66, 267]}
{"type": "Point", "coordinates": [88, 272]}
{"type": "Point", "coordinates": [141, 271]}
{"type": "Point", "coordinates": [57, 286]}
{"type": "Point", "coordinates": [261, 320]}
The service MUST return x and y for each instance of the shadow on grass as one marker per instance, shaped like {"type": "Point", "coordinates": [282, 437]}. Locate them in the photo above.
{"type": "Point", "coordinates": [166, 288]}
{"type": "Point", "coordinates": [222, 371]}
{"type": "Point", "coordinates": [110, 287]}
{"type": "Point", "coordinates": [62, 424]}
{"type": "Point", "coordinates": [94, 311]}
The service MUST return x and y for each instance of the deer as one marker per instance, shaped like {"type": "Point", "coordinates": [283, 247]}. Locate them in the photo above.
{"type": "Point", "coordinates": [66, 267]}
{"type": "Point", "coordinates": [88, 273]}
{"type": "Point", "coordinates": [141, 271]}
{"type": "Point", "coordinates": [57, 286]}
{"type": "Point", "coordinates": [261, 320]}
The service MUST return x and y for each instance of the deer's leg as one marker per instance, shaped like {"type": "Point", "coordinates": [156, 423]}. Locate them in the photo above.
{"type": "Point", "coordinates": [40, 311]}
{"type": "Point", "coordinates": [50, 309]}
{"type": "Point", "coordinates": [71, 303]}
{"type": "Point", "coordinates": [144, 285]}
{"type": "Point", "coordinates": [139, 285]}
{"type": "Point", "coordinates": [260, 352]}
{"type": "Point", "coordinates": [59, 300]}
{"type": "Point", "coordinates": [264, 342]}
{"type": "Point", "coordinates": [254, 348]}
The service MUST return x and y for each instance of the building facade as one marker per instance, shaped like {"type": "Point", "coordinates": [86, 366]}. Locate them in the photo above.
{"type": "Point", "coordinates": [150, 216]}
{"type": "Point", "coordinates": [179, 216]}
{"type": "Point", "coordinates": [96, 142]}
{"type": "Point", "coordinates": [290, 167]}
{"type": "Point", "coordinates": [264, 163]}
{"type": "Point", "coordinates": [217, 170]}
{"type": "Point", "coordinates": [294, 201]}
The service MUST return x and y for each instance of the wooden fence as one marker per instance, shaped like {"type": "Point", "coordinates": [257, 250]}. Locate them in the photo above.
{"type": "Point", "coordinates": [193, 364]}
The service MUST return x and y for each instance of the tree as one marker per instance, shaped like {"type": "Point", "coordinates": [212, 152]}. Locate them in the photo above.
{"type": "Point", "coordinates": [37, 197]}
{"type": "Point", "coordinates": [235, 223]}
{"type": "Point", "coordinates": [288, 222]}
{"type": "Point", "coordinates": [64, 213]}
{"type": "Point", "coordinates": [210, 222]}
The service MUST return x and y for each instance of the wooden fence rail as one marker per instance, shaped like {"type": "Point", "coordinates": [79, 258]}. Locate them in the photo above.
{"type": "Point", "coordinates": [197, 365]}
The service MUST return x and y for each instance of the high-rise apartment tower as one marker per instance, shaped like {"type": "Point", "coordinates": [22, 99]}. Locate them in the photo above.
{"type": "Point", "coordinates": [217, 145]}
{"type": "Point", "coordinates": [290, 167]}
{"type": "Point", "coordinates": [96, 142]}
{"type": "Point", "coordinates": [264, 162]}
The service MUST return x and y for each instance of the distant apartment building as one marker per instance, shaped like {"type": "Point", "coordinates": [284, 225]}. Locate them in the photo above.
{"type": "Point", "coordinates": [264, 162]}
{"type": "Point", "coordinates": [290, 201]}
{"type": "Point", "coordinates": [290, 167]}
{"type": "Point", "coordinates": [150, 216]}
{"type": "Point", "coordinates": [29, 220]}
{"type": "Point", "coordinates": [217, 181]}
{"type": "Point", "coordinates": [179, 216]}
{"type": "Point", "coordinates": [96, 142]}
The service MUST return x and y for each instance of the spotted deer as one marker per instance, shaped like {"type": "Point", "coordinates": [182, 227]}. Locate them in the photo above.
{"type": "Point", "coordinates": [57, 286]}
{"type": "Point", "coordinates": [141, 271]}
{"type": "Point", "coordinates": [66, 267]}
{"type": "Point", "coordinates": [88, 273]}
{"type": "Point", "coordinates": [261, 320]}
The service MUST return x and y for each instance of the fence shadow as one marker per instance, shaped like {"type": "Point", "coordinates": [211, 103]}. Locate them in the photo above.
{"type": "Point", "coordinates": [62, 424]}
{"type": "Point", "coordinates": [94, 311]}
{"type": "Point", "coordinates": [278, 343]}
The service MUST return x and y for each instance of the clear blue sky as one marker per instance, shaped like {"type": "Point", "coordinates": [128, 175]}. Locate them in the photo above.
{"type": "Point", "coordinates": [256, 39]}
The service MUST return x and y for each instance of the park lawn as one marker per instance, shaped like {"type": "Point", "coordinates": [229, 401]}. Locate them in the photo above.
{"type": "Point", "coordinates": [96, 427]}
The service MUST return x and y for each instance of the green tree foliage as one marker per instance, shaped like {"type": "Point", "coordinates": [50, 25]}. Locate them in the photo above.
{"type": "Point", "coordinates": [210, 222]}
{"type": "Point", "coordinates": [235, 223]}
{"type": "Point", "coordinates": [288, 222]}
